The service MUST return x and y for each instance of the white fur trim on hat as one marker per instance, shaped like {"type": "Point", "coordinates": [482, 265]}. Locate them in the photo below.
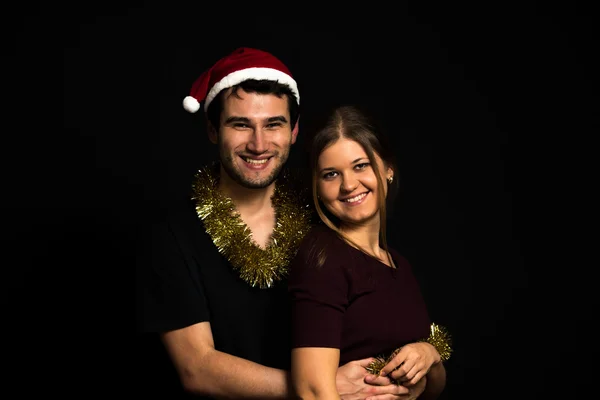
{"type": "Point", "coordinates": [251, 73]}
{"type": "Point", "coordinates": [190, 104]}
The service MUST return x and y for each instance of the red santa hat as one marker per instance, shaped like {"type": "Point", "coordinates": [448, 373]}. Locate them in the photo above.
{"type": "Point", "coordinates": [244, 63]}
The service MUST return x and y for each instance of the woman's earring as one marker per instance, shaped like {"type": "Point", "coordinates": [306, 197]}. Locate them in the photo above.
{"type": "Point", "coordinates": [390, 179]}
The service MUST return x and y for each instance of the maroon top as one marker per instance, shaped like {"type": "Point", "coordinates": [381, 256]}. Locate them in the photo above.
{"type": "Point", "coordinates": [353, 302]}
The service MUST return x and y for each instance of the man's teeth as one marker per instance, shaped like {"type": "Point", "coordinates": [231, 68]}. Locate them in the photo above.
{"type": "Point", "coordinates": [252, 161]}
{"type": "Point", "coordinates": [356, 198]}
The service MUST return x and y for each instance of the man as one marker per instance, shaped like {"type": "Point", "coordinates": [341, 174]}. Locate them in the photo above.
{"type": "Point", "coordinates": [214, 287]}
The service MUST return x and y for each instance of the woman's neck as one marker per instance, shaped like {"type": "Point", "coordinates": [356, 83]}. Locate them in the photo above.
{"type": "Point", "coordinates": [366, 236]}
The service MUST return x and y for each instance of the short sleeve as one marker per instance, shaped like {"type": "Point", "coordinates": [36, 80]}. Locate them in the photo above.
{"type": "Point", "coordinates": [319, 293]}
{"type": "Point", "coordinates": [169, 295]}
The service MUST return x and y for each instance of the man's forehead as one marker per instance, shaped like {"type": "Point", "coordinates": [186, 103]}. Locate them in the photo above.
{"type": "Point", "coordinates": [241, 96]}
{"type": "Point", "coordinates": [255, 106]}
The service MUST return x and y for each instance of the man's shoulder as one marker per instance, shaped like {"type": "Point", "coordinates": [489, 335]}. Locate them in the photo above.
{"type": "Point", "coordinates": [298, 180]}
{"type": "Point", "coordinates": [296, 189]}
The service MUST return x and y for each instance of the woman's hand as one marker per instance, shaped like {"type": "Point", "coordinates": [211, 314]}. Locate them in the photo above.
{"type": "Point", "coordinates": [411, 363]}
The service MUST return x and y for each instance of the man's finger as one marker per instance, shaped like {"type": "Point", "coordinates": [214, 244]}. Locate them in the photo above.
{"type": "Point", "coordinates": [387, 390]}
{"type": "Point", "coordinates": [365, 362]}
{"type": "Point", "coordinates": [385, 397]}
{"type": "Point", "coordinates": [377, 380]}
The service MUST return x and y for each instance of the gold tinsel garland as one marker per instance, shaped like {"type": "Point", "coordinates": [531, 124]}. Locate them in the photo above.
{"type": "Point", "coordinates": [438, 338]}
{"type": "Point", "coordinates": [258, 267]}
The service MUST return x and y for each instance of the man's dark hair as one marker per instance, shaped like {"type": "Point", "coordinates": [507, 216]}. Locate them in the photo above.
{"type": "Point", "coordinates": [255, 86]}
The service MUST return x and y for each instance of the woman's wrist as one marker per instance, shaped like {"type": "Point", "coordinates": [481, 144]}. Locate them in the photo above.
{"type": "Point", "coordinates": [441, 340]}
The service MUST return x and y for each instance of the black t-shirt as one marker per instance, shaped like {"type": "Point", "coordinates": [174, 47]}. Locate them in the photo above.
{"type": "Point", "coordinates": [182, 280]}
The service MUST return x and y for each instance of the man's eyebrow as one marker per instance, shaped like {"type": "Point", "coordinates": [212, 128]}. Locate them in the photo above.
{"type": "Point", "coordinates": [232, 119]}
{"type": "Point", "coordinates": [277, 118]}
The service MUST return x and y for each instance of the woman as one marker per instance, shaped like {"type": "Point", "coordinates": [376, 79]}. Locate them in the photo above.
{"type": "Point", "coordinates": [352, 296]}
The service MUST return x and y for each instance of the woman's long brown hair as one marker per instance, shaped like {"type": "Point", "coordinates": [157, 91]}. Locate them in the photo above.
{"type": "Point", "coordinates": [352, 123]}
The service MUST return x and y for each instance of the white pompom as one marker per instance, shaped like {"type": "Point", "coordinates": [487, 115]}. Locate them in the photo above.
{"type": "Point", "coordinates": [191, 104]}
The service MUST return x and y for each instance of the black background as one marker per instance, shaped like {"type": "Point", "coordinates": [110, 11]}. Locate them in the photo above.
{"type": "Point", "coordinates": [491, 112]}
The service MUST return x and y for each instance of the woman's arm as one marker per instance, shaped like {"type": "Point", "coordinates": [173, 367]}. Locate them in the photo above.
{"type": "Point", "coordinates": [314, 372]}
{"type": "Point", "coordinates": [436, 382]}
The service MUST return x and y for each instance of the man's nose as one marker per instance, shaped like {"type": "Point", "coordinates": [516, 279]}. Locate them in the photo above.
{"type": "Point", "coordinates": [258, 142]}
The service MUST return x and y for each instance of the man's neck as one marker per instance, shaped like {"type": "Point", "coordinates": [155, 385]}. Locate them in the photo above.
{"type": "Point", "coordinates": [246, 200]}
{"type": "Point", "coordinates": [254, 207]}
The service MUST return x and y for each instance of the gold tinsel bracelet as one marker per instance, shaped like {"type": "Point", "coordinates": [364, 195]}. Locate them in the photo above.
{"type": "Point", "coordinates": [438, 338]}
{"type": "Point", "coordinates": [441, 340]}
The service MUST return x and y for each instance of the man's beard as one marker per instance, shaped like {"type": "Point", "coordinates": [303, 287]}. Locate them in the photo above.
{"type": "Point", "coordinates": [235, 174]}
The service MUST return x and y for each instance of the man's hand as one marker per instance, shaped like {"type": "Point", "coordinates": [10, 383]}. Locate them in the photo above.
{"type": "Point", "coordinates": [414, 391]}
{"type": "Point", "coordinates": [355, 383]}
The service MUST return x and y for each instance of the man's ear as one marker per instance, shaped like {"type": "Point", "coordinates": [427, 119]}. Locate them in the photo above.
{"type": "Point", "coordinates": [295, 130]}
{"type": "Point", "coordinates": [212, 132]}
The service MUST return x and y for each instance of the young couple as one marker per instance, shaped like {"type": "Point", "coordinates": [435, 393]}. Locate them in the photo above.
{"type": "Point", "coordinates": [251, 296]}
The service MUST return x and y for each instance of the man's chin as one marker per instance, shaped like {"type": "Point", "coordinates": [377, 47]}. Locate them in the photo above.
{"type": "Point", "coordinates": [250, 179]}
{"type": "Point", "coordinates": [256, 182]}
{"type": "Point", "coordinates": [255, 185]}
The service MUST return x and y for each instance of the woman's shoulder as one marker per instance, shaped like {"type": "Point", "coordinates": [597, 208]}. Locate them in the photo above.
{"type": "Point", "coordinates": [320, 235]}
{"type": "Point", "coordinates": [319, 241]}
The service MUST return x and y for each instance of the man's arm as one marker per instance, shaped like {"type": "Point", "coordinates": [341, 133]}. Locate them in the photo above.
{"type": "Point", "coordinates": [203, 370]}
